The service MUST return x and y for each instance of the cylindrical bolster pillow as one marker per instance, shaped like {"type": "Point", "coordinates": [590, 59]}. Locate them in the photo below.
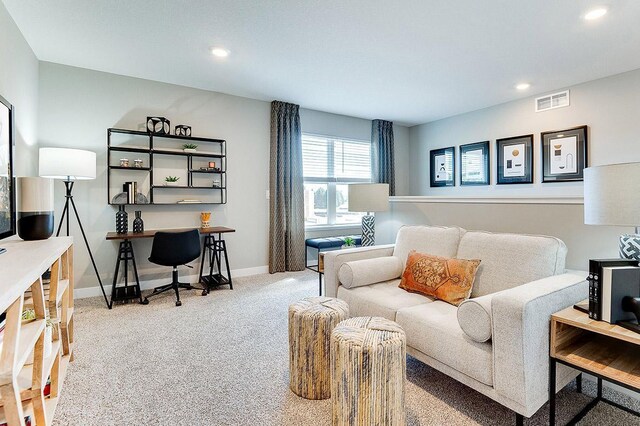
{"type": "Point", "coordinates": [474, 317]}
{"type": "Point", "coordinates": [369, 271]}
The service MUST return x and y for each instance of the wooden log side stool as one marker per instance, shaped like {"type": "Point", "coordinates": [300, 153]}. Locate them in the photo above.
{"type": "Point", "coordinates": [368, 371]}
{"type": "Point", "coordinates": [311, 321]}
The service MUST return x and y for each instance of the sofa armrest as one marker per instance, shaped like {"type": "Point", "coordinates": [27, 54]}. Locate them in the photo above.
{"type": "Point", "coordinates": [520, 322]}
{"type": "Point", "coordinates": [334, 259]}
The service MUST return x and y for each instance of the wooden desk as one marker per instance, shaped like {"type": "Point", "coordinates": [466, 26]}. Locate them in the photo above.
{"type": "Point", "coordinates": [213, 250]}
{"type": "Point", "coordinates": [607, 351]}
{"type": "Point", "coordinates": [149, 233]}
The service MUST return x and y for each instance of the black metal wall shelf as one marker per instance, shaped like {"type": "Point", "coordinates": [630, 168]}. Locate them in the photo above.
{"type": "Point", "coordinates": [151, 151]}
{"type": "Point", "coordinates": [133, 169]}
{"type": "Point", "coordinates": [217, 172]}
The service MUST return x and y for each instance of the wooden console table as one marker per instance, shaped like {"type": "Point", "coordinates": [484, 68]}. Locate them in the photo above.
{"type": "Point", "coordinates": [213, 250]}
{"type": "Point", "coordinates": [607, 351]}
{"type": "Point", "coordinates": [22, 382]}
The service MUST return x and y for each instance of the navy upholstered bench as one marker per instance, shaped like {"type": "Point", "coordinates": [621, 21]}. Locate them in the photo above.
{"type": "Point", "coordinates": [327, 243]}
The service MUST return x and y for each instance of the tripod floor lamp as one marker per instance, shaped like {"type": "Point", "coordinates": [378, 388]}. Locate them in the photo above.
{"type": "Point", "coordinates": [71, 165]}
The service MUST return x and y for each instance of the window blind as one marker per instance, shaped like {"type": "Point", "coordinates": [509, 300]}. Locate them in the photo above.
{"type": "Point", "coordinates": [336, 160]}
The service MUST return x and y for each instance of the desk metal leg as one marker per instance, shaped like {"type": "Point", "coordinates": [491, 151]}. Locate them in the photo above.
{"type": "Point", "coordinates": [213, 251]}
{"type": "Point", "coordinates": [135, 273]}
{"type": "Point", "coordinates": [125, 255]}
{"type": "Point", "coordinates": [552, 391]}
{"type": "Point", "coordinates": [204, 256]}
{"type": "Point", "coordinates": [319, 284]}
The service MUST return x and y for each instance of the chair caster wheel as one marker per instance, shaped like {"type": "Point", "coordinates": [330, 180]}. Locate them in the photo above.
{"type": "Point", "coordinates": [205, 292]}
{"type": "Point", "coordinates": [178, 303]}
{"type": "Point", "coordinates": [145, 301]}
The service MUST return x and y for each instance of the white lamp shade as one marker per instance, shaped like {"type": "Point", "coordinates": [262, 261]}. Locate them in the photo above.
{"type": "Point", "coordinates": [368, 197]}
{"type": "Point", "coordinates": [67, 163]}
{"type": "Point", "coordinates": [612, 195]}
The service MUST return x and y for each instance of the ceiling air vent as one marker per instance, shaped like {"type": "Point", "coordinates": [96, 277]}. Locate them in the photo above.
{"type": "Point", "coordinates": [553, 101]}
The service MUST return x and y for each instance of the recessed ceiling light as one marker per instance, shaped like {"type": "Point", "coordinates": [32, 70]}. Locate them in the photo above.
{"type": "Point", "coordinates": [523, 86]}
{"type": "Point", "coordinates": [219, 52]}
{"type": "Point", "coordinates": [595, 13]}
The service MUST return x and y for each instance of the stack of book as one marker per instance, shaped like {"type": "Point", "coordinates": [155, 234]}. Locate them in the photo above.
{"type": "Point", "coordinates": [609, 281]}
{"type": "Point", "coordinates": [131, 189]}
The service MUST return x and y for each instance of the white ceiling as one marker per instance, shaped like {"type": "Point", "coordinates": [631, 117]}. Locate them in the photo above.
{"type": "Point", "coordinates": [408, 61]}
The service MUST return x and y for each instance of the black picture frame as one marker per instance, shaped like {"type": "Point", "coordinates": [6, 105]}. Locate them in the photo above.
{"type": "Point", "coordinates": [516, 166]}
{"type": "Point", "coordinates": [7, 180]}
{"type": "Point", "coordinates": [566, 161]}
{"type": "Point", "coordinates": [446, 169]}
{"type": "Point", "coordinates": [483, 168]}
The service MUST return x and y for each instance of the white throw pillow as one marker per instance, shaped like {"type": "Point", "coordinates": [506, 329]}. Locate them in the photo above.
{"type": "Point", "coordinates": [369, 271]}
{"type": "Point", "coordinates": [474, 317]}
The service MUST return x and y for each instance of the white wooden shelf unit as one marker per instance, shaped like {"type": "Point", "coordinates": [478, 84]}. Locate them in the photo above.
{"type": "Point", "coordinates": [24, 369]}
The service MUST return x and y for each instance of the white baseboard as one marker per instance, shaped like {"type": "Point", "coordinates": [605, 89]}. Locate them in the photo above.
{"type": "Point", "coordinates": [81, 293]}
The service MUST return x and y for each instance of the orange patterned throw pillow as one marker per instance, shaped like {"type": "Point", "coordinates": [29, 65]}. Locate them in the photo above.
{"type": "Point", "coordinates": [450, 280]}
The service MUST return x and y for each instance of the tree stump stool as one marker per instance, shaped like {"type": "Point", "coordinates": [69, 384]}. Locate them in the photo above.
{"type": "Point", "coordinates": [311, 321]}
{"type": "Point", "coordinates": [368, 367]}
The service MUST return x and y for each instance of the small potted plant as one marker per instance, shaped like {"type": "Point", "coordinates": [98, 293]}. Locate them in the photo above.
{"type": "Point", "coordinates": [171, 180]}
{"type": "Point", "coordinates": [349, 242]}
{"type": "Point", "coordinates": [189, 147]}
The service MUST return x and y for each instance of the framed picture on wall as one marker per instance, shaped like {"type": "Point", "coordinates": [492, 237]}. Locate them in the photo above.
{"type": "Point", "coordinates": [474, 164]}
{"type": "Point", "coordinates": [515, 159]}
{"type": "Point", "coordinates": [564, 154]}
{"type": "Point", "coordinates": [443, 166]}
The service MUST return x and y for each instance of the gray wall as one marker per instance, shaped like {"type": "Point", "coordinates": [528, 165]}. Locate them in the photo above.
{"type": "Point", "coordinates": [609, 106]}
{"type": "Point", "coordinates": [611, 109]}
{"type": "Point", "coordinates": [78, 105]}
{"type": "Point", "coordinates": [19, 86]}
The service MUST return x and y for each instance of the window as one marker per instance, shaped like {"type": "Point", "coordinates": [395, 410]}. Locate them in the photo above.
{"type": "Point", "coordinates": [330, 164]}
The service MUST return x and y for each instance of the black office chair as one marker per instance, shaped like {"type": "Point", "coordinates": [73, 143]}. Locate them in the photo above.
{"type": "Point", "coordinates": [174, 249]}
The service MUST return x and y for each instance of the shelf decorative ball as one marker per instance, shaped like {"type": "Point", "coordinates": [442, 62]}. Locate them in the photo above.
{"type": "Point", "coordinates": [183, 130]}
{"type": "Point", "coordinates": [158, 125]}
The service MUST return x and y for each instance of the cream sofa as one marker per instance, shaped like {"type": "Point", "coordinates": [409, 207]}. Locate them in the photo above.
{"type": "Point", "coordinates": [497, 342]}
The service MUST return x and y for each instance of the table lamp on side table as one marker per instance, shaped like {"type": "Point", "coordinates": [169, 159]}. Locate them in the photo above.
{"type": "Point", "coordinates": [70, 165]}
{"type": "Point", "coordinates": [612, 197]}
{"type": "Point", "coordinates": [368, 197]}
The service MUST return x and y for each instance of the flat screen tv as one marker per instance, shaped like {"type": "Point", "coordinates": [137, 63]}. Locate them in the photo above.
{"type": "Point", "coordinates": [7, 182]}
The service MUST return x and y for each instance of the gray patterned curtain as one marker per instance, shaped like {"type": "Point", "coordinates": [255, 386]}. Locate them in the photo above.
{"type": "Point", "coordinates": [382, 163]}
{"type": "Point", "coordinates": [286, 188]}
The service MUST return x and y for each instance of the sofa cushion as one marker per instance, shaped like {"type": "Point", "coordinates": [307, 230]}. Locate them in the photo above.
{"type": "Point", "coordinates": [379, 300]}
{"type": "Point", "coordinates": [432, 329]}
{"type": "Point", "coordinates": [510, 260]}
{"type": "Point", "coordinates": [450, 280]}
{"type": "Point", "coordinates": [436, 240]}
{"type": "Point", "coordinates": [474, 317]}
{"type": "Point", "coordinates": [369, 271]}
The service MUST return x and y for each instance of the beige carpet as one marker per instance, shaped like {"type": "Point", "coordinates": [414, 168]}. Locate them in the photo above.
{"type": "Point", "coordinates": [222, 360]}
